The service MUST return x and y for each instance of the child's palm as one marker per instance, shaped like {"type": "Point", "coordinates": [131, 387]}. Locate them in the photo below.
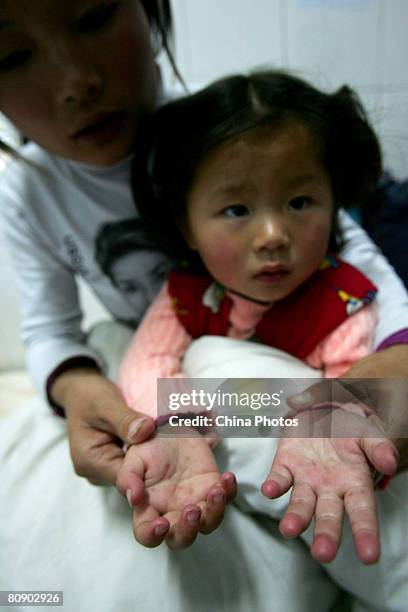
{"type": "Point", "coordinates": [183, 476]}
{"type": "Point", "coordinates": [329, 475]}
{"type": "Point", "coordinates": [175, 485]}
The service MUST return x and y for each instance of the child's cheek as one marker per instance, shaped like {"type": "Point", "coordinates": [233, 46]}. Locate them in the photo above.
{"type": "Point", "coordinates": [222, 260]}
{"type": "Point", "coordinates": [316, 240]}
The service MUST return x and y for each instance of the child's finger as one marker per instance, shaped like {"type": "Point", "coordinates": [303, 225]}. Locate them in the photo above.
{"type": "Point", "coordinates": [299, 512]}
{"type": "Point", "coordinates": [329, 514]}
{"type": "Point", "coordinates": [214, 510]}
{"type": "Point", "coordinates": [361, 509]}
{"type": "Point", "coordinates": [278, 481]}
{"type": "Point", "coordinates": [129, 481]}
{"type": "Point", "coordinates": [229, 482]}
{"type": "Point", "coordinates": [382, 454]}
{"type": "Point", "coordinates": [151, 534]}
{"type": "Point", "coordinates": [149, 528]}
{"type": "Point", "coordinates": [183, 532]}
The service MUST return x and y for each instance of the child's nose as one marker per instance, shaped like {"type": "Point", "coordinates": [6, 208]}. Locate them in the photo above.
{"type": "Point", "coordinates": [271, 234]}
{"type": "Point", "coordinates": [78, 80]}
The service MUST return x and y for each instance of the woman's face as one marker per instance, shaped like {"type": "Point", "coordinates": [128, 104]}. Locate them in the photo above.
{"type": "Point", "coordinates": [77, 76]}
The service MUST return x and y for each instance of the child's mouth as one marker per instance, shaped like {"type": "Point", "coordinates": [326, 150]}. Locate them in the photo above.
{"type": "Point", "coordinates": [103, 128]}
{"type": "Point", "coordinates": [272, 275]}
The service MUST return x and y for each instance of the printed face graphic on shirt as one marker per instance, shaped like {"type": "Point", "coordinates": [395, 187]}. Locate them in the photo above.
{"type": "Point", "coordinates": [133, 261]}
{"type": "Point", "coordinates": [259, 211]}
{"type": "Point", "coordinates": [139, 275]}
{"type": "Point", "coordinates": [76, 77]}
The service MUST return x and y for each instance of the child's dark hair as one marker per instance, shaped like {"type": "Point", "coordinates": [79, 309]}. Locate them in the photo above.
{"type": "Point", "coordinates": [182, 133]}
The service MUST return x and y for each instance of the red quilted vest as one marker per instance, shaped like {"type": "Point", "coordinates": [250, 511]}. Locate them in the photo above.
{"type": "Point", "coordinates": [295, 324]}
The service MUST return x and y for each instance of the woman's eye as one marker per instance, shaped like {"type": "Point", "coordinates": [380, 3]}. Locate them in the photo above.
{"type": "Point", "coordinates": [236, 210]}
{"type": "Point", "coordinates": [97, 18]}
{"type": "Point", "coordinates": [299, 203]}
{"type": "Point", "coordinates": [127, 285]}
{"type": "Point", "coordinates": [14, 60]}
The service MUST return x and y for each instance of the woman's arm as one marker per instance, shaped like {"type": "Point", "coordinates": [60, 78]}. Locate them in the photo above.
{"type": "Point", "coordinates": [347, 344]}
{"type": "Point", "coordinates": [386, 366]}
{"type": "Point", "coordinates": [51, 327]}
{"type": "Point", "coordinates": [391, 362]}
{"type": "Point", "coordinates": [392, 298]}
{"type": "Point", "coordinates": [51, 315]}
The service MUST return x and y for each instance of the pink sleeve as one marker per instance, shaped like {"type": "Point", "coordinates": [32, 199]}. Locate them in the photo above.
{"type": "Point", "coordinates": [347, 344]}
{"type": "Point", "coordinates": [156, 350]}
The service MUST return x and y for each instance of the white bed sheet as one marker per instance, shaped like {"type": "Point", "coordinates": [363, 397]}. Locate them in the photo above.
{"type": "Point", "coordinates": [59, 532]}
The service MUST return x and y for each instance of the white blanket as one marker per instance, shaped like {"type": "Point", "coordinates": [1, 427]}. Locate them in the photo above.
{"type": "Point", "coordinates": [60, 532]}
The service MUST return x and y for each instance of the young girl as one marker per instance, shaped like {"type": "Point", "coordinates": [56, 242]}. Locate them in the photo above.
{"type": "Point", "coordinates": [243, 183]}
{"type": "Point", "coordinates": [250, 207]}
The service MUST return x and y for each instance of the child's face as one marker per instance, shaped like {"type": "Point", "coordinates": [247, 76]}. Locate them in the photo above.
{"type": "Point", "coordinates": [76, 75]}
{"type": "Point", "coordinates": [259, 211]}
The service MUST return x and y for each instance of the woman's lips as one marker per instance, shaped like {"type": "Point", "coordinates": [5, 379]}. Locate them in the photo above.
{"type": "Point", "coordinates": [102, 130]}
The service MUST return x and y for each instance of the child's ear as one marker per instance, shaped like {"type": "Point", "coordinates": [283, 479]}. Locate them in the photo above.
{"type": "Point", "coordinates": [183, 226]}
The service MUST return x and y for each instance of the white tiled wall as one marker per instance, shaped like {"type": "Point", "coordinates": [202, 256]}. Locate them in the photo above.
{"type": "Point", "coordinates": [331, 42]}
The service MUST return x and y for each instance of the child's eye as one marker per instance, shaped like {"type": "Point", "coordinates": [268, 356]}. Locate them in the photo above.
{"type": "Point", "coordinates": [97, 18]}
{"type": "Point", "coordinates": [14, 60]}
{"type": "Point", "coordinates": [299, 203]}
{"type": "Point", "coordinates": [236, 210]}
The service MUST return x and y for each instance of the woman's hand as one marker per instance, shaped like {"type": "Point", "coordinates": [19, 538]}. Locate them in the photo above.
{"type": "Point", "coordinates": [99, 422]}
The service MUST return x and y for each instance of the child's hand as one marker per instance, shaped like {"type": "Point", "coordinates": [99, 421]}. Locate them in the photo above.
{"type": "Point", "coordinates": [330, 475]}
{"type": "Point", "coordinates": [176, 489]}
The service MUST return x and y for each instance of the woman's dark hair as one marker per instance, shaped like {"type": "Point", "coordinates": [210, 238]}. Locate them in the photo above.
{"type": "Point", "coordinates": [160, 19]}
{"type": "Point", "coordinates": [180, 135]}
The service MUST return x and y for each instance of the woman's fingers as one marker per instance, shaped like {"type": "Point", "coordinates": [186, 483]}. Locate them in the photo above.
{"type": "Point", "coordinates": [114, 416]}
{"type": "Point", "coordinates": [322, 392]}
{"type": "Point", "coordinates": [98, 426]}
{"type": "Point", "coordinates": [95, 454]}
{"type": "Point", "coordinates": [361, 509]}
